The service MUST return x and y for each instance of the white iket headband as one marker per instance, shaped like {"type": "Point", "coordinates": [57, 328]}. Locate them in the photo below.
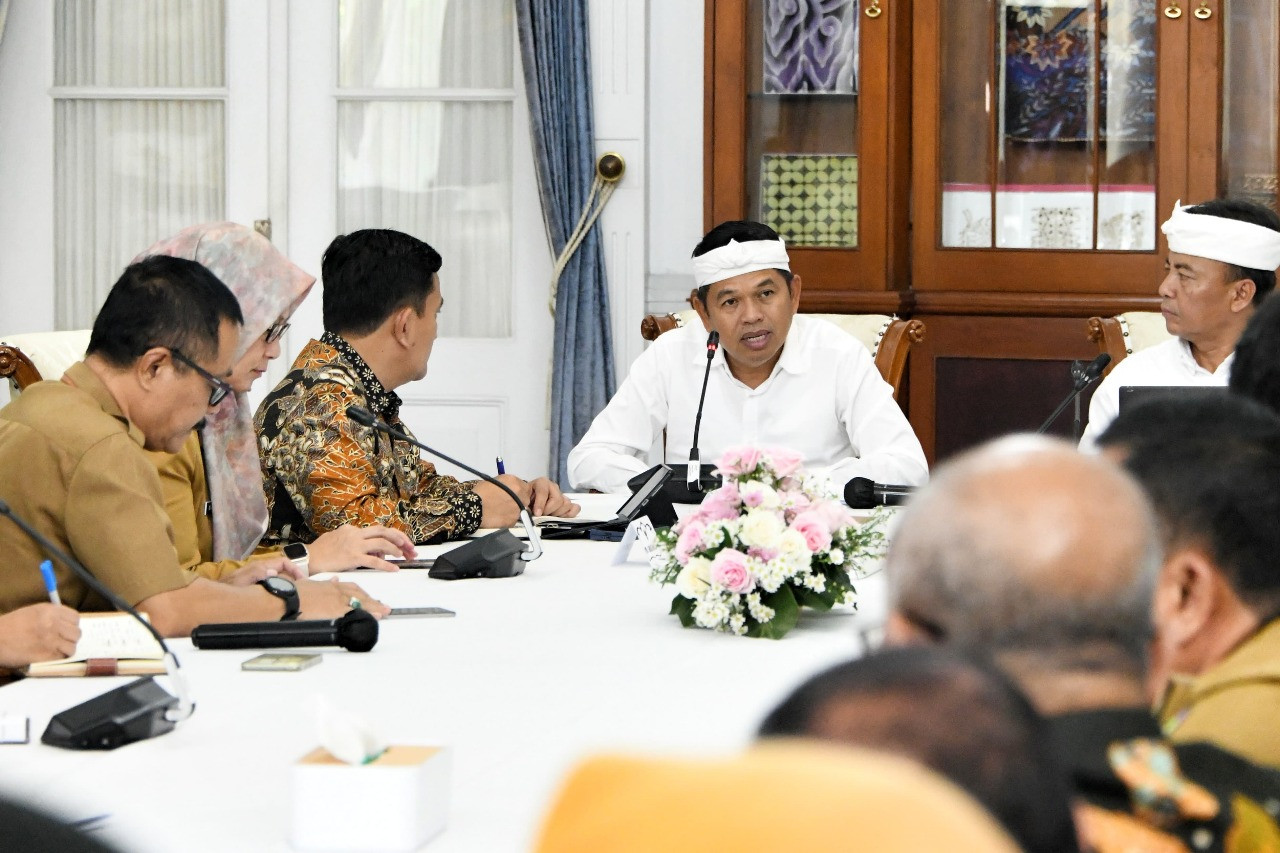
{"type": "Point", "coordinates": [1231, 241]}
{"type": "Point", "coordinates": [737, 258]}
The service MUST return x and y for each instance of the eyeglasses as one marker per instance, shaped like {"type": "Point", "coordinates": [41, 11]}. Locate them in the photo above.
{"type": "Point", "coordinates": [276, 331]}
{"type": "Point", "coordinates": [220, 388]}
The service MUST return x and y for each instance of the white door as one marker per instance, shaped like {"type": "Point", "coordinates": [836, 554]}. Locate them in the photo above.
{"type": "Point", "coordinates": [412, 116]}
{"type": "Point", "coordinates": [116, 133]}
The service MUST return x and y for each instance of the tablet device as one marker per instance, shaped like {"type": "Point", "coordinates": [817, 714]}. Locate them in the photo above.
{"type": "Point", "coordinates": [646, 499]}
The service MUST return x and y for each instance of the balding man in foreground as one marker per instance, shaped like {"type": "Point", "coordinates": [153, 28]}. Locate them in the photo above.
{"type": "Point", "coordinates": [1047, 560]}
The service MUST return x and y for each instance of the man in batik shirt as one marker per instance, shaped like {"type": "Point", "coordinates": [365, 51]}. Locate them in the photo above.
{"type": "Point", "coordinates": [321, 470]}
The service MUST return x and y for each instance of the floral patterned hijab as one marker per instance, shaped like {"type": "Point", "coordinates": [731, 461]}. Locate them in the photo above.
{"type": "Point", "coordinates": [268, 286]}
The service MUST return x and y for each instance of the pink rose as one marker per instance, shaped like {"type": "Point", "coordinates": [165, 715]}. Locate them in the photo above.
{"type": "Point", "coordinates": [786, 462]}
{"type": "Point", "coordinates": [764, 555]}
{"type": "Point", "coordinates": [813, 527]}
{"type": "Point", "coordinates": [738, 460]}
{"type": "Point", "coordinates": [729, 570]}
{"type": "Point", "coordinates": [720, 505]}
{"type": "Point", "coordinates": [690, 540]}
{"type": "Point", "coordinates": [836, 514]}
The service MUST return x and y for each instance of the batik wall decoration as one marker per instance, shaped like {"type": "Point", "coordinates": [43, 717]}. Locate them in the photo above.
{"type": "Point", "coordinates": [1049, 65]}
{"type": "Point", "coordinates": [811, 199]}
{"type": "Point", "coordinates": [810, 47]}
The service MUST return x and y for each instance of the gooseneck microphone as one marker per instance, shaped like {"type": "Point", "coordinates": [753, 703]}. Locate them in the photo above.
{"type": "Point", "coordinates": [138, 710]}
{"type": "Point", "coordinates": [491, 556]}
{"type": "Point", "coordinates": [693, 471]}
{"type": "Point", "coordinates": [355, 631]}
{"type": "Point", "coordinates": [1081, 380]}
{"type": "Point", "coordinates": [862, 493]}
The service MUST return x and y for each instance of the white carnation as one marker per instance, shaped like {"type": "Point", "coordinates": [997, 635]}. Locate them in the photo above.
{"type": "Point", "coordinates": [836, 556]}
{"type": "Point", "coordinates": [792, 542]}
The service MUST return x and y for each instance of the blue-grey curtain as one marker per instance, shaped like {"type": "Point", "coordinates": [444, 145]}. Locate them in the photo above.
{"type": "Point", "coordinates": [555, 51]}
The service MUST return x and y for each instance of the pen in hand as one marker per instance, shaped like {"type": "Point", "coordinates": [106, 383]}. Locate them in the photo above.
{"type": "Point", "coordinates": [502, 469]}
{"type": "Point", "coordinates": [50, 582]}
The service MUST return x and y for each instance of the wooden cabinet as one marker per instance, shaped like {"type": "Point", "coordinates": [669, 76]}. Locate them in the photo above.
{"type": "Point", "coordinates": [1015, 160]}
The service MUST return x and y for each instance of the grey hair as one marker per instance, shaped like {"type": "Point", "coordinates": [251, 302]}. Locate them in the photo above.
{"type": "Point", "coordinates": [966, 562]}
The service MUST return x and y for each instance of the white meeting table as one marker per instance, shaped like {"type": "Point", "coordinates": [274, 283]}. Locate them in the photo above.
{"type": "Point", "coordinates": [574, 657]}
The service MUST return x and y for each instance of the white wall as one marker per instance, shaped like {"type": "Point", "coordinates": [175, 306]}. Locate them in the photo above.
{"type": "Point", "coordinates": [675, 149]}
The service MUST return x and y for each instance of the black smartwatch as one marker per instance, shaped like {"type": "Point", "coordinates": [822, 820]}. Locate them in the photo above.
{"type": "Point", "coordinates": [297, 552]}
{"type": "Point", "coordinates": [285, 590]}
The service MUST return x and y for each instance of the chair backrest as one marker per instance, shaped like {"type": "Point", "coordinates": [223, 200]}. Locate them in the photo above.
{"type": "Point", "coordinates": [888, 338]}
{"type": "Point", "coordinates": [28, 358]}
{"type": "Point", "coordinates": [1125, 334]}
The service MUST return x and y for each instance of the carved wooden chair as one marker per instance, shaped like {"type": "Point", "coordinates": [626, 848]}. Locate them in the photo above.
{"type": "Point", "coordinates": [1124, 334]}
{"type": "Point", "coordinates": [28, 358]}
{"type": "Point", "coordinates": [889, 338]}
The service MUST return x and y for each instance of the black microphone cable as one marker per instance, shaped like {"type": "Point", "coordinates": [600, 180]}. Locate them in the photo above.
{"type": "Point", "coordinates": [172, 666]}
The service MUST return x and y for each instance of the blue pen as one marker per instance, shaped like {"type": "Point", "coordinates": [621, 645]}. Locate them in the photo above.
{"type": "Point", "coordinates": [502, 469]}
{"type": "Point", "coordinates": [50, 582]}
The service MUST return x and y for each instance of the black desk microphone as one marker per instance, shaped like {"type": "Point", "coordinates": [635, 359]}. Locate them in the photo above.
{"type": "Point", "coordinates": [1081, 380]}
{"type": "Point", "coordinates": [140, 709]}
{"type": "Point", "coordinates": [693, 471]}
{"type": "Point", "coordinates": [491, 556]}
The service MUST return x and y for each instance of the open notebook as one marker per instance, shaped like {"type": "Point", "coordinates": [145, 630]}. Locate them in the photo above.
{"type": "Point", "coordinates": [110, 644]}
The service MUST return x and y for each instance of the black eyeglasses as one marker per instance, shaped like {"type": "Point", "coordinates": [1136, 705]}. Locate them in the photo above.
{"type": "Point", "coordinates": [276, 331]}
{"type": "Point", "coordinates": [220, 388]}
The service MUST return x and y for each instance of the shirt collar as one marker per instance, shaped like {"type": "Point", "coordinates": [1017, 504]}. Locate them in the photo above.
{"type": "Point", "coordinates": [384, 403]}
{"type": "Point", "coordinates": [1189, 360]}
{"type": "Point", "coordinates": [80, 375]}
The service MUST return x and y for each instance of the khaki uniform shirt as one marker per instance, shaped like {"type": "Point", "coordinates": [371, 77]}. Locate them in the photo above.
{"type": "Point", "coordinates": [72, 466]}
{"type": "Point", "coordinates": [186, 499]}
{"type": "Point", "coordinates": [1235, 704]}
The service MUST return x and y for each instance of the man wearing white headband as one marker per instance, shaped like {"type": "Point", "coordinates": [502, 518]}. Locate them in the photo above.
{"type": "Point", "coordinates": [1222, 260]}
{"type": "Point", "coordinates": [777, 380]}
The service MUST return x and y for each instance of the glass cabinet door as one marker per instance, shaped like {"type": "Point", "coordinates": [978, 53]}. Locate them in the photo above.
{"type": "Point", "coordinates": [1042, 136]}
{"type": "Point", "coordinates": [801, 128]}
{"type": "Point", "coordinates": [1251, 100]}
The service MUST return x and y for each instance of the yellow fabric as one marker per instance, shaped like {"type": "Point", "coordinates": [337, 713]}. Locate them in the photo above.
{"type": "Point", "coordinates": [1146, 329]}
{"type": "Point", "coordinates": [186, 492]}
{"type": "Point", "coordinates": [72, 465]}
{"type": "Point", "coordinates": [1235, 704]}
{"type": "Point", "coordinates": [777, 797]}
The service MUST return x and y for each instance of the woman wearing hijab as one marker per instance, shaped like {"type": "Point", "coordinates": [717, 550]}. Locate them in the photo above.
{"type": "Point", "coordinates": [213, 486]}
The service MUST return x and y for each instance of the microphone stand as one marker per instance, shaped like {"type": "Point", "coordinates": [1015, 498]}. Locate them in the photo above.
{"type": "Point", "coordinates": [488, 556]}
{"type": "Point", "coordinates": [1082, 379]}
{"type": "Point", "coordinates": [158, 702]}
{"type": "Point", "coordinates": [693, 471]}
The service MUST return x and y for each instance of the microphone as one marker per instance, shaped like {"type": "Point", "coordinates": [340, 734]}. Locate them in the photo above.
{"type": "Point", "coordinates": [140, 709]}
{"type": "Point", "coordinates": [693, 472]}
{"type": "Point", "coordinates": [861, 493]}
{"type": "Point", "coordinates": [491, 556]}
{"type": "Point", "coordinates": [1081, 380]}
{"type": "Point", "coordinates": [355, 631]}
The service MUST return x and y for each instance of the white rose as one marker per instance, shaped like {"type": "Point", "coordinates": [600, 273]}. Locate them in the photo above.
{"type": "Point", "coordinates": [792, 542]}
{"type": "Point", "coordinates": [695, 578]}
{"type": "Point", "coordinates": [761, 528]}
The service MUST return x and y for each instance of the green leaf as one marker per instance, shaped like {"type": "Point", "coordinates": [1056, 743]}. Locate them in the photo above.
{"type": "Point", "coordinates": [683, 607]}
{"type": "Point", "coordinates": [786, 612]}
{"type": "Point", "coordinates": [817, 600]}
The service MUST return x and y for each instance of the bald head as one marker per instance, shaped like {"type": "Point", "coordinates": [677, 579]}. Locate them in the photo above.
{"type": "Point", "coordinates": [1026, 547]}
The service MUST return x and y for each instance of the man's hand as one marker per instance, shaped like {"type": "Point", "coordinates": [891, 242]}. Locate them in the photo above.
{"type": "Point", "coordinates": [36, 633]}
{"type": "Point", "coordinates": [331, 599]}
{"type": "Point", "coordinates": [549, 500]}
{"type": "Point", "coordinates": [264, 567]}
{"type": "Point", "coordinates": [499, 509]}
{"type": "Point", "coordinates": [351, 547]}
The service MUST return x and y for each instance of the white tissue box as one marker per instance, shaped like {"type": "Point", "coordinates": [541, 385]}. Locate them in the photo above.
{"type": "Point", "coordinates": [399, 801]}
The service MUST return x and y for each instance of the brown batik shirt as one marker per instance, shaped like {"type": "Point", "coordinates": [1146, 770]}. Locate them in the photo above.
{"type": "Point", "coordinates": [321, 470]}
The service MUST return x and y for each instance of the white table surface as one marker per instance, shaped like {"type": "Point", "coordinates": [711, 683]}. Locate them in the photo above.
{"type": "Point", "coordinates": [573, 657]}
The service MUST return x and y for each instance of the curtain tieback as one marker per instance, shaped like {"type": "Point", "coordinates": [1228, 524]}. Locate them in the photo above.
{"type": "Point", "coordinates": [609, 170]}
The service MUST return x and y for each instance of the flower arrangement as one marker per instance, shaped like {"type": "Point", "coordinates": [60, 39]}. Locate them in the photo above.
{"type": "Point", "coordinates": [763, 545]}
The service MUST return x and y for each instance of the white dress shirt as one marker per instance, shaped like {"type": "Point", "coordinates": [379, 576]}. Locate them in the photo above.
{"type": "Point", "coordinates": [1167, 363]}
{"type": "Point", "coordinates": [825, 400]}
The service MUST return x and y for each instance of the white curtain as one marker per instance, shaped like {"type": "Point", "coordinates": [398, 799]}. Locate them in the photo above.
{"type": "Point", "coordinates": [130, 171]}
{"type": "Point", "coordinates": [433, 164]}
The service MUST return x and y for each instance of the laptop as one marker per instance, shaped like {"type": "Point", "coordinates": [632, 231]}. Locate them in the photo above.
{"type": "Point", "coordinates": [1132, 395]}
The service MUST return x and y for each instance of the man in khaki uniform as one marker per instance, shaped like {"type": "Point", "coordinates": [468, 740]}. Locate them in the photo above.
{"type": "Point", "coordinates": [71, 460]}
{"type": "Point", "coordinates": [1211, 465]}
